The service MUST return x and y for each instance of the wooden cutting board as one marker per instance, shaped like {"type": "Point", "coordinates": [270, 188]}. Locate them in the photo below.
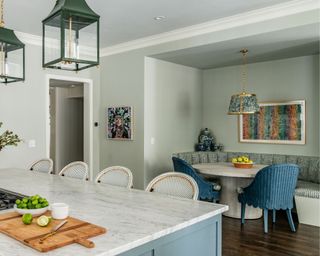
{"type": "Point", "coordinates": [74, 231]}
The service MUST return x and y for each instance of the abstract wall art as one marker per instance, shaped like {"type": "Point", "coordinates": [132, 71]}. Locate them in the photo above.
{"type": "Point", "coordinates": [278, 123]}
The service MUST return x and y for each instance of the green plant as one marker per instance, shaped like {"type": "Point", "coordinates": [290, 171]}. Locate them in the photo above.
{"type": "Point", "coordinates": [8, 139]}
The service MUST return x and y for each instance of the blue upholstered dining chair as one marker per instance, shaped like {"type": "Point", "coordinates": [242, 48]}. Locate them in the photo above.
{"type": "Point", "coordinates": [272, 189]}
{"type": "Point", "coordinates": [207, 190]}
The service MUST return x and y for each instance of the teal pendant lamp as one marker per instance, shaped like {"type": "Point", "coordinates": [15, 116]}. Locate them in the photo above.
{"type": "Point", "coordinates": [70, 36]}
{"type": "Point", "coordinates": [243, 103]}
{"type": "Point", "coordinates": [12, 55]}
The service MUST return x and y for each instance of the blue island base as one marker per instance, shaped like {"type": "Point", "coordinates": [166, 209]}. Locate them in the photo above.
{"type": "Point", "coordinates": [200, 239]}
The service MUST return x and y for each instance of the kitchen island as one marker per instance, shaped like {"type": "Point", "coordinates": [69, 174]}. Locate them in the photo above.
{"type": "Point", "coordinates": [138, 223]}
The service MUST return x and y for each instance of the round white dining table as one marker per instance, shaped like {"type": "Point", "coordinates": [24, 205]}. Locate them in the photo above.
{"type": "Point", "coordinates": [231, 179]}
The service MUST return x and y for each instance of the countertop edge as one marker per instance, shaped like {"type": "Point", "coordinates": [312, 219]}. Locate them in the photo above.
{"type": "Point", "coordinates": [142, 241]}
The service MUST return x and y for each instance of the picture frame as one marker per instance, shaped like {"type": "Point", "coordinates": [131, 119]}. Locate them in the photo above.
{"type": "Point", "coordinates": [120, 123]}
{"type": "Point", "coordinates": [276, 123]}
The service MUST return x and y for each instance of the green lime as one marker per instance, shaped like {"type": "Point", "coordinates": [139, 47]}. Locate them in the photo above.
{"type": "Point", "coordinates": [43, 221]}
{"type": "Point", "coordinates": [27, 218]}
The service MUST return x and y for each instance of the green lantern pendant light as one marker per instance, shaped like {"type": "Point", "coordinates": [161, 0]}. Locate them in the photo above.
{"type": "Point", "coordinates": [70, 36]}
{"type": "Point", "coordinates": [243, 103]}
{"type": "Point", "coordinates": [12, 55]}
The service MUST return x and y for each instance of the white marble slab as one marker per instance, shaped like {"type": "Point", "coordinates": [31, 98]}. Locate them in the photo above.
{"type": "Point", "coordinates": [132, 218]}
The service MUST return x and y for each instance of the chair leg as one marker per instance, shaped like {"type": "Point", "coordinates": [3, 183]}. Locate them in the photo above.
{"type": "Point", "coordinates": [243, 212]}
{"type": "Point", "coordinates": [265, 220]}
{"type": "Point", "coordinates": [290, 220]}
{"type": "Point", "coordinates": [274, 216]}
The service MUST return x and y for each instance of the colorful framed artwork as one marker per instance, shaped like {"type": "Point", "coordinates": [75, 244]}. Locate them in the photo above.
{"type": "Point", "coordinates": [277, 123]}
{"type": "Point", "coordinates": [120, 123]}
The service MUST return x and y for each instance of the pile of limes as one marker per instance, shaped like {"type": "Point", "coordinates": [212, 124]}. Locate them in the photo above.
{"type": "Point", "coordinates": [32, 202]}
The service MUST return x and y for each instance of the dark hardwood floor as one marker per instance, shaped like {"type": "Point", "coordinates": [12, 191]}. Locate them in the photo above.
{"type": "Point", "coordinates": [249, 240]}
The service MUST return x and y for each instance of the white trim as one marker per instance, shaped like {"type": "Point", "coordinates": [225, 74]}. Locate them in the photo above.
{"type": "Point", "coordinates": [308, 210]}
{"type": "Point", "coordinates": [251, 17]}
{"type": "Point", "coordinates": [29, 38]}
{"type": "Point", "coordinates": [88, 83]}
{"type": "Point", "coordinates": [254, 16]}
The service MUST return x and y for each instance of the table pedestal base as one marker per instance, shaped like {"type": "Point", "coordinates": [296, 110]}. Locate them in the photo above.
{"type": "Point", "coordinates": [229, 196]}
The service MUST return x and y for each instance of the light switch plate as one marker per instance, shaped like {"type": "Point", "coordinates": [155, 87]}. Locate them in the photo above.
{"type": "Point", "coordinates": [31, 143]}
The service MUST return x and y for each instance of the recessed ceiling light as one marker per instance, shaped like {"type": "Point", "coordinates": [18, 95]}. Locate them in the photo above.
{"type": "Point", "coordinates": [159, 18]}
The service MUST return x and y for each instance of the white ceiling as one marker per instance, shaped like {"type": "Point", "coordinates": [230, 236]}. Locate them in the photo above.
{"type": "Point", "coordinates": [126, 20]}
{"type": "Point", "coordinates": [293, 42]}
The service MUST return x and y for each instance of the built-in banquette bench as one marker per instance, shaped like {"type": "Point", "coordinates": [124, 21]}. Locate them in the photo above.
{"type": "Point", "coordinates": [307, 195]}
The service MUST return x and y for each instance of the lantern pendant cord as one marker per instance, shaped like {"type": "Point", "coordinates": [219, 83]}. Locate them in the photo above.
{"type": "Point", "coordinates": [1, 15]}
{"type": "Point", "coordinates": [244, 70]}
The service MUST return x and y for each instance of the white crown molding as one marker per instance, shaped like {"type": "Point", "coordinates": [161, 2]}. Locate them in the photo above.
{"type": "Point", "coordinates": [52, 43]}
{"type": "Point", "coordinates": [251, 17]}
{"type": "Point", "coordinates": [29, 38]}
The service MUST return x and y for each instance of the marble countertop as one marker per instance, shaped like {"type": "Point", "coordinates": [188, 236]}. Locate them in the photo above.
{"type": "Point", "coordinates": [132, 217]}
{"type": "Point", "coordinates": [227, 170]}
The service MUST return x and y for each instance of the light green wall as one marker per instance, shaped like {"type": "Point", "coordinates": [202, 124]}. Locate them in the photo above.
{"type": "Point", "coordinates": [23, 110]}
{"type": "Point", "coordinates": [281, 80]}
{"type": "Point", "coordinates": [318, 107]}
{"type": "Point", "coordinates": [122, 83]}
{"type": "Point", "coordinates": [173, 108]}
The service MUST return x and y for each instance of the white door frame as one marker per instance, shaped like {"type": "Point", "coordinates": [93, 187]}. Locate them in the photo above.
{"type": "Point", "coordinates": [88, 125]}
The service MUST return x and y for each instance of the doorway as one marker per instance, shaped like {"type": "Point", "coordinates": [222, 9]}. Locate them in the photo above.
{"type": "Point", "coordinates": [66, 122]}
{"type": "Point", "coordinates": [69, 130]}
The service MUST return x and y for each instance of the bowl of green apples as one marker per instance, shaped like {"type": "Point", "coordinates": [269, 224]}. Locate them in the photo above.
{"type": "Point", "coordinates": [35, 205]}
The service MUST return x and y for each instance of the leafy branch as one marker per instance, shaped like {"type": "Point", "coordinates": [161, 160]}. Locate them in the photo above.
{"type": "Point", "coordinates": [8, 139]}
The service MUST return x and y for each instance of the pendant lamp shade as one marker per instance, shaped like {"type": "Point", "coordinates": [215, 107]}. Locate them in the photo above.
{"type": "Point", "coordinates": [12, 55]}
{"type": "Point", "coordinates": [71, 36]}
{"type": "Point", "coordinates": [243, 103]}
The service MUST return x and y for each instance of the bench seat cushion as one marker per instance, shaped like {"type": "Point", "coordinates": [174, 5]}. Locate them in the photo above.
{"type": "Point", "coordinates": [308, 189]}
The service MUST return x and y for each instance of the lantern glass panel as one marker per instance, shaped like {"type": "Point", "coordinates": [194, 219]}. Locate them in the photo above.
{"type": "Point", "coordinates": [11, 63]}
{"type": "Point", "coordinates": [88, 42]}
{"type": "Point", "coordinates": [52, 40]}
{"type": "Point", "coordinates": [81, 40]}
{"type": "Point", "coordinates": [15, 63]}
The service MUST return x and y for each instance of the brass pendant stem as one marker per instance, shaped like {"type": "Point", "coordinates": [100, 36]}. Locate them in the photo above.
{"type": "Point", "coordinates": [244, 70]}
{"type": "Point", "coordinates": [1, 16]}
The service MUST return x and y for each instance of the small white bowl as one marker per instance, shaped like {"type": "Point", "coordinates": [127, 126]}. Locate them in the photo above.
{"type": "Point", "coordinates": [59, 211]}
{"type": "Point", "coordinates": [34, 212]}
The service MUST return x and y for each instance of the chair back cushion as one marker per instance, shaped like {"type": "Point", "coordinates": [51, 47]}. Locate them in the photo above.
{"type": "Point", "coordinates": [174, 184]}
